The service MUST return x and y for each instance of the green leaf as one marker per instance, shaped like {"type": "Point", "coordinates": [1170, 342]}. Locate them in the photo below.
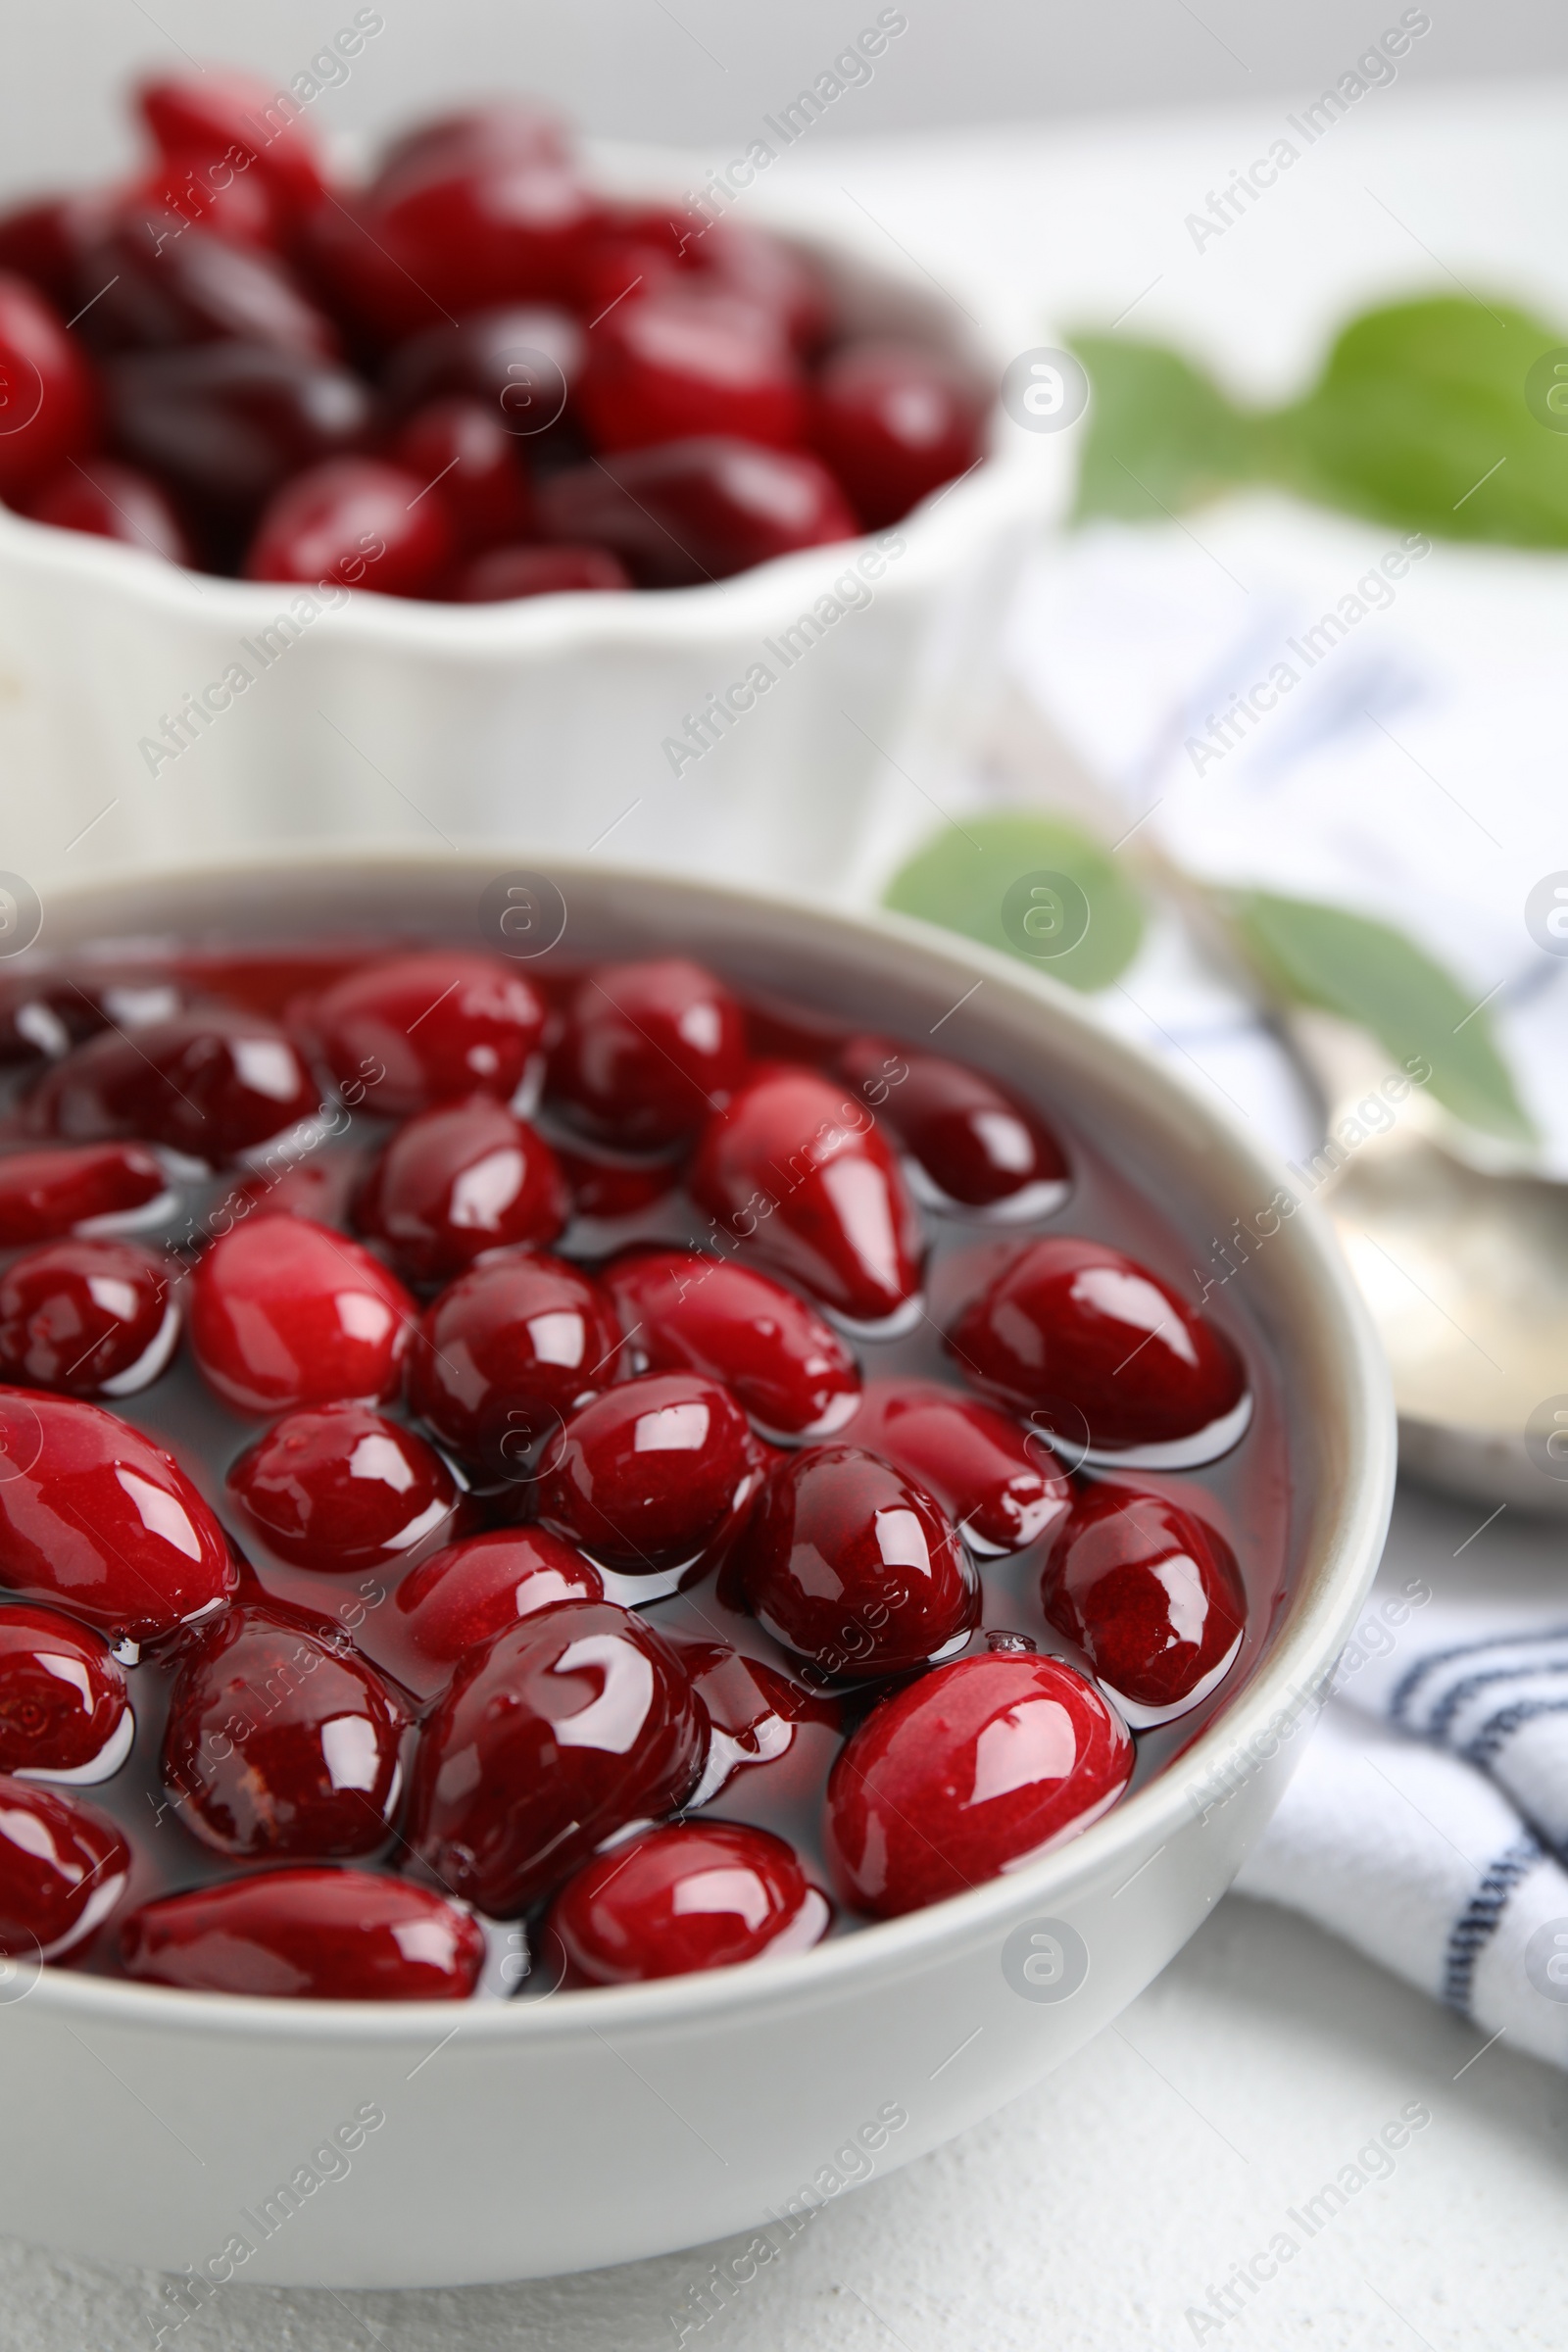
{"type": "Point", "coordinates": [1421, 417]}
{"type": "Point", "coordinates": [1034, 886]}
{"type": "Point", "coordinates": [1161, 437]}
{"type": "Point", "coordinates": [1429, 416]}
{"type": "Point", "coordinates": [1371, 974]}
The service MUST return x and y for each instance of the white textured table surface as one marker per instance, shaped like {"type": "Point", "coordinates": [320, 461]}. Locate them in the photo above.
{"type": "Point", "coordinates": [1096, 2213]}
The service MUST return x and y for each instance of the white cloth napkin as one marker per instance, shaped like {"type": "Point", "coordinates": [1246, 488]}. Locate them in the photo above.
{"type": "Point", "coordinates": [1428, 1821]}
{"type": "Point", "coordinates": [1413, 772]}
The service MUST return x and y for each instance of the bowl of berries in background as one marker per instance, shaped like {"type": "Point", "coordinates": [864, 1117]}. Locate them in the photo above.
{"type": "Point", "coordinates": [483, 498]}
{"type": "Point", "coordinates": [635, 1580]}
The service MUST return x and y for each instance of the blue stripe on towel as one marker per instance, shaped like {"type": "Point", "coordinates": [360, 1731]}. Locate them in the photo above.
{"type": "Point", "coordinates": [1502, 1727]}
{"type": "Point", "coordinates": [1405, 1691]}
{"type": "Point", "coordinates": [1463, 1691]}
{"type": "Point", "coordinates": [1477, 1922]}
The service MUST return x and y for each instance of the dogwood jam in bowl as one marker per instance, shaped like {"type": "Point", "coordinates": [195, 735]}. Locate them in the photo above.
{"type": "Point", "coordinates": [510, 1484]}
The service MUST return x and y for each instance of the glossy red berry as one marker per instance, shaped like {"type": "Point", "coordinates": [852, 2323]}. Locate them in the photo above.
{"type": "Point", "coordinates": [111, 501]}
{"type": "Point", "coordinates": [165, 285]}
{"type": "Point", "coordinates": [971, 1771]}
{"type": "Point", "coordinates": [850, 1564]}
{"type": "Point", "coordinates": [649, 249]}
{"type": "Point", "coordinates": [89, 1318]}
{"type": "Point", "coordinates": [697, 1894]}
{"type": "Point", "coordinates": [64, 1866]}
{"type": "Point", "coordinates": [695, 511]}
{"type": "Point", "coordinates": [465, 1596]}
{"type": "Point", "coordinates": [518, 362]}
{"type": "Point", "coordinates": [503, 573]}
{"type": "Point", "coordinates": [281, 1745]}
{"type": "Point", "coordinates": [446, 232]}
{"type": "Point", "coordinates": [648, 1474]}
{"type": "Point", "coordinates": [284, 1313]}
{"type": "Point", "coordinates": [240, 115]}
{"type": "Point", "coordinates": [355, 279]}
{"type": "Point", "coordinates": [48, 404]}
{"type": "Point", "coordinates": [42, 1018]}
{"type": "Point", "coordinates": [1102, 1355]}
{"type": "Point", "coordinates": [341, 1488]}
{"type": "Point", "coordinates": [757, 1712]}
{"type": "Point", "coordinates": [308, 1934]}
{"type": "Point", "coordinates": [210, 1085]}
{"type": "Point", "coordinates": [459, 1179]}
{"type": "Point", "coordinates": [776, 276]}
{"type": "Point", "coordinates": [322, 1188]}
{"type": "Point", "coordinates": [98, 1520]}
{"type": "Point", "coordinates": [559, 1733]}
{"type": "Point", "coordinates": [627, 261]}
{"type": "Point", "coordinates": [358, 521]}
{"type": "Point", "coordinates": [609, 1186]}
{"type": "Point", "coordinates": [462, 449]}
{"type": "Point", "coordinates": [638, 249]}
{"type": "Point", "coordinates": [64, 1711]}
{"type": "Point", "coordinates": [974, 1147]}
{"type": "Point", "coordinates": [503, 130]}
{"type": "Point", "coordinates": [224, 425]}
{"type": "Point", "coordinates": [999, 1485]}
{"type": "Point", "coordinates": [43, 241]}
{"type": "Point", "coordinates": [798, 1171]}
{"type": "Point", "coordinates": [1152, 1595]}
{"type": "Point", "coordinates": [895, 420]}
{"type": "Point", "coordinates": [482, 228]}
{"type": "Point", "coordinates": [781, 1030]}
{"type": "Point", "coordinates": [437, 1026]}
{"type": "Point", "coordinates": [646, 1052]}
{"type": "Point", "coordinates": [200, 187]}
{"type": "Point", "coordinates": [505, 1353]}
{"type": "Point", "coordinates": [677, 364]}
{"type": "Point", "coordinates": [80, 1189]}
{"type": "Point", "coordinates": [780, 1361]}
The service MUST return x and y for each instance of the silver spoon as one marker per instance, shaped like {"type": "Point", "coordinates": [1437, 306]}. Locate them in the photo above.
{"type": "Point", "coordinates": [1466, 1276]}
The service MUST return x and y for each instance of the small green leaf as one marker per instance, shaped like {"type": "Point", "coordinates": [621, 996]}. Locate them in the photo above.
{"type": "Point", "coordinates": [1443, 415]}
{"type": "Point", "coordinates": [1161, 437]}
{"type": "Point", "coordinates": [1422, 416]}
{"type": "Point", "coordinates": [1371, 974]}
{"type": "Point", "coordinates": [1034, 886]}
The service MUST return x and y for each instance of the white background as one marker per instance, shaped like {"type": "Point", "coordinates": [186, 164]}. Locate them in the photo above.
{"type": "Point", "coordinates": [702, 71]}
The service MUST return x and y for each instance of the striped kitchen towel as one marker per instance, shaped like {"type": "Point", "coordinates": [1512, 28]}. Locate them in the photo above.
{"type": "Point", "coordinates": [1428, 1821]}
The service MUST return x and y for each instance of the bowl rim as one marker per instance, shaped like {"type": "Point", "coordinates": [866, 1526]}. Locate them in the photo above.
{"type": "Point", "coordinates": [1020, 471]}
{"type": "Point", "coordinates": [1288, 1682]}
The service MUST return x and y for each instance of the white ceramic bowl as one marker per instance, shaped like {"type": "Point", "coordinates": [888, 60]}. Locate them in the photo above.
{"type": "Point", "coordinates": [530, 2138]}
{"type": "Point", "coordinates": [426, 725]}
